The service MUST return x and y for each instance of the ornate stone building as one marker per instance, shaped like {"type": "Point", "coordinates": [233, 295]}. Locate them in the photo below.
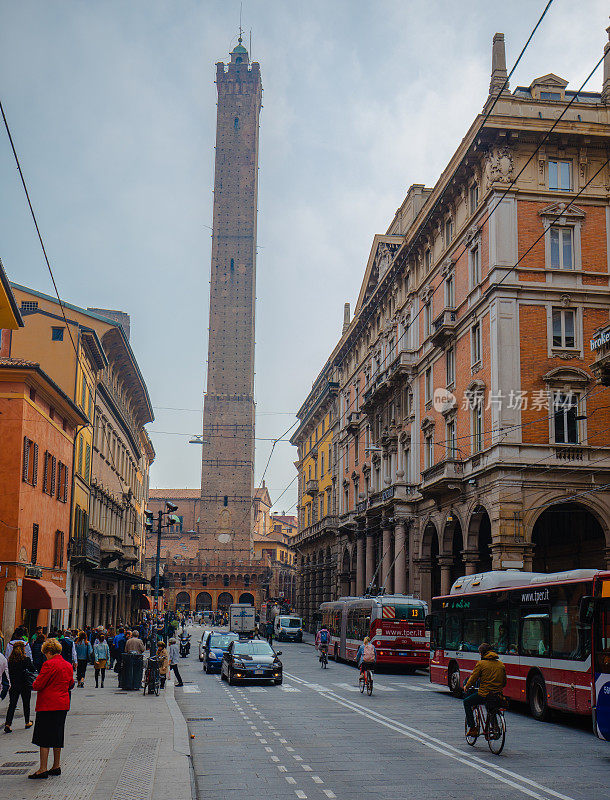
{"type": "Point", "coordinates": [471, 433]}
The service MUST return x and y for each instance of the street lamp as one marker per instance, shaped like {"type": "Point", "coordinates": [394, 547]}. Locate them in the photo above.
{"type": "Point", "coordinates": [149, 517]}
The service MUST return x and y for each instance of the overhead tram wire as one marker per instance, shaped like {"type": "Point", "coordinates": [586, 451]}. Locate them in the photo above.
{"type": "Point", "coordinates": [91, 388]}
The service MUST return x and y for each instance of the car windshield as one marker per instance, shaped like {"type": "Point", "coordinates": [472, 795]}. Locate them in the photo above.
{"type": "Point", "coordinates": [253, 649]}
{"type": "Point", "coordinates": [290, 622]}
{"type": "Point", "coordinates": [222, 639]}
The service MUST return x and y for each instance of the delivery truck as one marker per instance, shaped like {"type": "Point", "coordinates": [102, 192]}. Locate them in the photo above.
{"type": "Point", "coordinates": [242, 619]}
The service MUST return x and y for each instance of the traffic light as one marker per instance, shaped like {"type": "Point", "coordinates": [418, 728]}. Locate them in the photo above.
{"type": "Point", "coordinates": [170, 507]}
{"type": "Point", "coordinates": [148, 520]}
{"type": "Point", "coordinates": [173, 519]}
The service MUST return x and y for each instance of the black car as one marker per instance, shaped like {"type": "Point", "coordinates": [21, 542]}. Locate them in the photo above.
{"type": "Point", "coordinates": [251, 660]}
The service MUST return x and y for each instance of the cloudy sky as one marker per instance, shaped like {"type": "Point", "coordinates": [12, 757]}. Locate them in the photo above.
{"type": "Point", "coordinates": [112, 108]}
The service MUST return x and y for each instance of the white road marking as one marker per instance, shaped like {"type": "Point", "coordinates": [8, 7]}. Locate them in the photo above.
{"type": "Point", "coordinates": [269, 749]}
{"type": "Point", "coordinates": [316, 779]}
{"type": "Point", "coordinates": [297, 758]}
{"type": "Point", "coordinates": [289, 689]}
{"type": "Point", "coordinates": [328, 793]}
{"type": "Point", "coordinates": [379, 687]}
{"type": "Point", "coordinates": [282, 769]}
{"type": "Point", "coordinates": [301, 794]}
{"type": "Point", "coordinates": [289, 779]}
{"type": "Point", "coordinates": [290, 749]}
{"type": "Point", "coordinates": [257, 734]}
{"type": "Point", "coordinates": [275, 758]}
{"type": "Point", "coordinates": [256, 689]}
{"type": "Point", "coordinates": [444, 748]}
{"type": "Point", "coordinates": [276, 733]}
{"type": "Point", "coordinates": [263, 741]}
{"type": "Point", "coordinates": [282, 741]}
{"type": "Point", "coordinates": [306, 767]}
{"type": "Point", "coordinates": [349, 687]}
{"type": "Point", "coordinates": [191, 689]}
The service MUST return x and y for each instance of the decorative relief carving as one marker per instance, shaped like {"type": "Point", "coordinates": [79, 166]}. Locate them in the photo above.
{"type": "Point", "coordinates": [499, 166]}
{"type": "Point", "coordinates": [384, 256]}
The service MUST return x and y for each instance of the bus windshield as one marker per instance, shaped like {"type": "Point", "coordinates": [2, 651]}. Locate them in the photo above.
{"type": "Point", "coordinates": [407, 613]}
{"type": "Point", "coordinates": [602, 638]}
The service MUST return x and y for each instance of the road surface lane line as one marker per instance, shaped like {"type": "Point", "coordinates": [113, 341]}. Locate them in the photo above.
{"type": "Point", "coordinates": [441, 747]}
{"type": "Point", "coordinates": [290, 779]}
{"type": "Point", "coordinates": [301, 794]}
{"type": "Point", "coordinates": [316, 779]}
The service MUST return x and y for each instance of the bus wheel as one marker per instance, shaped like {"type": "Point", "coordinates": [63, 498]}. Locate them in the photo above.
{"type": "Point", "coordinates": [537, 698]}
{"type": "Point", "coordinates": [454, 681]}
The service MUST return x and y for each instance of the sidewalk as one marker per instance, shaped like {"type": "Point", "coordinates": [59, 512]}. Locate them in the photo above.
{"type": "Point", "coordinates": [118, 746]}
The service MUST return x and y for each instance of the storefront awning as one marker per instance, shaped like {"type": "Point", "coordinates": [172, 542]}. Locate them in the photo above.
{"type": "Point", "coordinates": [42, 594]}
{"type": "Point", "coordinates": [146, 602]}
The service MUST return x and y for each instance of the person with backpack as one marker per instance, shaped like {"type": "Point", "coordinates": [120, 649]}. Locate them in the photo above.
{"type": "Point", "coordinates": [322, 641]}
{"type": "Point", "coordinates": [366, 655]}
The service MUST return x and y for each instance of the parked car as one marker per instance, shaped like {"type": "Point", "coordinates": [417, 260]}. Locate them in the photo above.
{"type": "Point", "coordinates": [251, 660]}
{"type": "Point", "coordinates": [215, 647]}
{"type": "Point", "coordinates": [204, 637]}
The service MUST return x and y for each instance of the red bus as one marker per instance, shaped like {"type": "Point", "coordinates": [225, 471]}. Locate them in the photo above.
{"type": "Point", "coordinates": [597, 613]}
{"type": "Point", "coordinates": [395, 624]}
{"type": "Point", "coordinates": [536, 624]}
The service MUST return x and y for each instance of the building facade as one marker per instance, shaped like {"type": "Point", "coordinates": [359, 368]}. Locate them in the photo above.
{"type": "Point", "coordinates": [88, 355]}
{"type": "Point", "coordinates": [471, 427]}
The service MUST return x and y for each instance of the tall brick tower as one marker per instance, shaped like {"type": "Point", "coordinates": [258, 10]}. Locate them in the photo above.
{"type": "Point", "coordinates": [227, 470]}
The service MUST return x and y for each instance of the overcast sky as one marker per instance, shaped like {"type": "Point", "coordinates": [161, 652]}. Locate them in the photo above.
{"type": "Point", "coordinates": [112, 107]}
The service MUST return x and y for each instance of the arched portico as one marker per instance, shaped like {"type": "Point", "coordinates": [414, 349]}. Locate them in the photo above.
{"type": "Point", "coordinates": [569, 536]}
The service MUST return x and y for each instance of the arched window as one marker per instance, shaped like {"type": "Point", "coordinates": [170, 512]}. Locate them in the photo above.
{"type": "Point", "coordinates": [225, 580]}
{"type": "Point", "coordinates": [204, 580]}
{"type": "Point", "coordinates": [246, 580]}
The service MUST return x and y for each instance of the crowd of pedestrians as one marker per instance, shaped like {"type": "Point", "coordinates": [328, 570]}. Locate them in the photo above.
{"type": "Point", "coordinates": [54, 664]}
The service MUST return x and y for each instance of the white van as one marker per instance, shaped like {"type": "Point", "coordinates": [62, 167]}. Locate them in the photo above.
{"type": "Point", "coordinates": [288, 628]}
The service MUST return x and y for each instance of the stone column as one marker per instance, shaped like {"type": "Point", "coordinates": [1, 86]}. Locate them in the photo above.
{"type": "Point", "coordinates": [400, 573]}
{"type": "Point", "coordinates": [360, 566]}
{"type": "Point", "coordinates": [81, 602]}
{"type": "Point", "coordinates": [422, 579]}
{"type": "Point", "coordinates": [445, 563]}
{"type": "Point", "coordinates": [471, 559]}
{"type": "Point", "coordinates": [386, 557]}
{"type": "Point", "coordinates": [9, 610]}
{"type": "Point", "coordinates": [370, 559]}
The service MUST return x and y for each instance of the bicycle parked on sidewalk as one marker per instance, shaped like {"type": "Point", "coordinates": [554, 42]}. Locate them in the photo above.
{"type": "Point", "coordinates": [152, 678]}
{"type": "Point", "coordinates": [490, 723]}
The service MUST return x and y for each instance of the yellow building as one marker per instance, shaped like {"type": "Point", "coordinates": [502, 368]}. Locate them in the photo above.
{"type": "Point", "coordinates": [10, 318]}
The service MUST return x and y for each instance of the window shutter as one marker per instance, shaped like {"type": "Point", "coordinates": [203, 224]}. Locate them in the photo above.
{"type": "Point", "coordinates": [45, 483]}
{"type": "Point", "coordinates": [53, 475]}
{"type": "Point", "coordinates": [34, 476]}
{"type": "Point", "coordinates": [61, 549]}
{"type": "Point", "coordinates": [65, 484]}
{"type": "Point", "coordinates": [34, 543]}
{"type": "Point", "coordinates": [87, 461]}
{"type": "Point", "coordinates": [26, 457]}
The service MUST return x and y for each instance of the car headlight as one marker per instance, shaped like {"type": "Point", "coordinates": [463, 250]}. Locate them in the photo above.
{"type": "Point", "coordinates": [212, 656]}
{"type": "Point", "coordinates": [239, 664]}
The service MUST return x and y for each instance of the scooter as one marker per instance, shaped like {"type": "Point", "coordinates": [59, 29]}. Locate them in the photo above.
{"type": "Point", "coordinates": [185, 647]}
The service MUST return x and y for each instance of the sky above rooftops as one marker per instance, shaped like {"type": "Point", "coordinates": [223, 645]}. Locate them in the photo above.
{"type": "Point", "coordinates": [113, 105]}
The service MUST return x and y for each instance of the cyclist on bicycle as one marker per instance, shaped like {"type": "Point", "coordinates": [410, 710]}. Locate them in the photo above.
{"type": "Point", "coordinates": [490, 673]}
{"type": "Point", "coordinates": [322, 641]}
{"type": "Point", "coordinates": [366, 655]}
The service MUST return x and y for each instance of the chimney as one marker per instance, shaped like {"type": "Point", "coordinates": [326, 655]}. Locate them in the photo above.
{"type": "Point", "coordinates": [345, 318]}
{"type": "Point", "coordinates": [606, 83]}
{"type": "Point", "coordinates": [498, 66]}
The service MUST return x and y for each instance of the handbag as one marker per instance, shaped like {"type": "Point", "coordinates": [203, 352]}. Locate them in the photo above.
{"type": "Point", "coordinates": [28, 678]}
{"type": "Point", "coordinates": [5, 687]}
{"type": "Point", "coordinates": [101, 664]}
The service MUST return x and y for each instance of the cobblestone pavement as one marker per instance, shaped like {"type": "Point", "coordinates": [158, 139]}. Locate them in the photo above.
{"type": "Point", "coordinates": [119, 746]}
{"type": "Point", "coordinates": [317, 737]}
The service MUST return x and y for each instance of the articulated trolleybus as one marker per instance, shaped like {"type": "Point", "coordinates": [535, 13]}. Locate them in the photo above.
{"type": "Point", "coordinates": [394, 622]}
{"type": "Point", "coordinates": [544, 628]}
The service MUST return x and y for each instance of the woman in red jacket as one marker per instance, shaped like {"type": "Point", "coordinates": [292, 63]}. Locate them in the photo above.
{"type": "Point", "coordinates": [53, 685]}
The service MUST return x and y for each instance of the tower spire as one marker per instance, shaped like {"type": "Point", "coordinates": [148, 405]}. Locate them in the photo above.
{"type": "Point", "coordinates": [240, 40]}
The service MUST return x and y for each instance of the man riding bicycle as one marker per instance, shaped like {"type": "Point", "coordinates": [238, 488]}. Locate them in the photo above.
{"type": "Point", "coordinates": [366, 655]}
{"type": "Point", "coordinates": [490, 673]}
{"type": "Point", "coordinates": [322, 641]}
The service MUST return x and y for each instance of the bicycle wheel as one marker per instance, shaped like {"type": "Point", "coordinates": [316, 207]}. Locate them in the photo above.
{"type": "Point", "coordinates": [472, 739]}
{"type": "Point", "coordinates": [361, 683]}
{"type": "Point", "coordinates": [369, 684]}
{"type": "Point", "coordinates": [496, 731]}
{"type": "Point", "coordinates": [325, 662]}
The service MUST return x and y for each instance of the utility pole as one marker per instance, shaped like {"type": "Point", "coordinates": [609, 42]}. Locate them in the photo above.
{"type": "Point", "coordinates": [158, 560]}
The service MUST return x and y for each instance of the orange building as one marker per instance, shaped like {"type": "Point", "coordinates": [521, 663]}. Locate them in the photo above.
{"type": "Point", "coordinates": [38, 424]}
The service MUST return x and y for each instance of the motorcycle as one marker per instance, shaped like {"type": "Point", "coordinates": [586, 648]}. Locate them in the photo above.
{"type": "Point", "coordinates": [185, 648]}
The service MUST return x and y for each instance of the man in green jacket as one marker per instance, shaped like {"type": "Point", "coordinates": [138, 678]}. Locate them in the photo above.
{"type": "Point", "coordinates": [490, 673]}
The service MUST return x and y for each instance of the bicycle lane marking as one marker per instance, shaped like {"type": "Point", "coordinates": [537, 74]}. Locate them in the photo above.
{"type": "Point", "coordinates": [438, 745]}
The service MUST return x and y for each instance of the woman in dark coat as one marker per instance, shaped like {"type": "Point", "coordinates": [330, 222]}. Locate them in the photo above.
{"type": "Point", "coordinates": [20, 669]}
{"type": "Point", "coordinates": [53, 685]}
{"type": "Point", "coordinates": [36, 647]}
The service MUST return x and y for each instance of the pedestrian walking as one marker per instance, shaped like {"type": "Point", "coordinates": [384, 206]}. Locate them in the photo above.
{"type": "Point", "coordinates": [163, 659]}
{"type": "Point", "coordinates": [68, 648]}
{"type": "Point", "coordinates": [174, 655]}
{"type": "Point", "coordinates": [36, 648]}
{"type": "Point", "coordinates": [5, 678]}
{"type": "Point", "coordinates": [119, 647]}
{"type": "Point", "coordinates": [53, 686]}
{"type": "Point", "coordinates": [84, 652]}
{"type": "Point", "coordinates": [101, 658]}
{"type": "Point", "coordinates": [21, 674]}
{"type": "Point", "coordinates": [270, 632]}
{"type": "Point", "coordinates": [135, 644]}
{"type": "Point", "coordinates": [19, 635]}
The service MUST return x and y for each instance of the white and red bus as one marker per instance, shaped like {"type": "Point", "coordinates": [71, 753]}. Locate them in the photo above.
{"type": "Point", "coordinates": [395, 624]}
{"type": "Point", "coordinates": [597, 613]}
{"type": "Point", "coordinates": [535, 622]}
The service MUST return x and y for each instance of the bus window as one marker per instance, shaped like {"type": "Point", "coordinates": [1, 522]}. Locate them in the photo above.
{"type": "Point", "coordinates": [504, 631]}
{"type": "Point", "coordinates": [564, 631]}
{"type": "Point", "coordinates": [602, 637]}
{"type": "Point", "coordinates": [453, 631]}
{"type": "Point", "coordinates": [535, 634]}
{"type": "Point", "coordinates": [408, 613]}
{"type": "Point", "coordinates": [475, 631]}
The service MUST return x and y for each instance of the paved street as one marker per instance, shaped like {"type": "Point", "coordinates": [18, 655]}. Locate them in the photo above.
{"type": "Point", "coordinates": [317, 737]}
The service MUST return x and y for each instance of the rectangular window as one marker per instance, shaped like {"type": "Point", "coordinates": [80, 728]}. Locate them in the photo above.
{"type": "Point", "coordinates": [550, 95]}
{"type": "Point", "coordinates": [322, 465]}
{"type": "Point", "coordinates": [356, 449]}
{"type": "Point", "coordinates": [428, 385]}
{"type": "Point", "coordinates": [563, 327]}
{"type": "Point", "coordinates": [427, 259]}
{"type": "Point", "coordinates": [475, 342]}
{"type": "Point", "coordinates": [477, 427]}
{"type": "Point", "coordinates": [34, 543]}
{"type": "Point", "coordinates": [450, 292]}
{"type": "Point", "coordinates": [427, 319]}
{"type": "Point", "coordinates": [565, 411]}
{"type": "Point", "coordinates": [562, 247]}
{"type": "Point", "coordinates": [450, 356]}
{"type": "Point", "coordinates": [29, 305]}
{"type": "Point", "coordinates": [474, 198]}
{"type": "Point", "coordinates": [448, 232]}
{"type": "Point", "coordinates": [451, 440]}
{"type": "Point", "coordinates": [57, 334]}
{"type": "Point", "coordinates": [534, 633]}
{"type": "Point", "coordinates": [559, 175]}
{"type": "Point", "coordinates": [30, 461]}
{"type": "Point", "coordinates": [428, 451]}
{"type": "Point", "coordinates": [474, 260]}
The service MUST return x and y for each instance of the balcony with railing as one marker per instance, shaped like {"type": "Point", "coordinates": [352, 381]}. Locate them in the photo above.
{"type": "Point", "coordinates": [311, 488]}
{"type": "Point", "coordinates": [316, 529]}
{"type": "Point", "coordinates": [85, 550]}
{"type": "Point", "coordinates": [443, 326]}
{"type": "Point", "coordinates": [446, 476]}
